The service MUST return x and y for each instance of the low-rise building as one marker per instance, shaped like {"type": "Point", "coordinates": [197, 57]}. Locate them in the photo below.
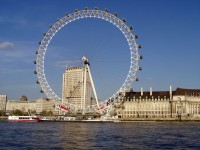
{"type": "Point", "coordinates": [3, 100]}
{"type": "Point", "coordinates": [186, 103]}
{"type": "Point", "coordinates": [37, 106]}
{"type": "Point", "coordinates": [181, 103]}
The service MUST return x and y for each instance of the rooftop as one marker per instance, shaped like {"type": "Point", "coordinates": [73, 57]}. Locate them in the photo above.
{"type": "Point", "coordinates": [164, 94]}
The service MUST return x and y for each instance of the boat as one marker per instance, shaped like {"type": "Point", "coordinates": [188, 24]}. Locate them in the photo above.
{"type": "Point", "coordinates": [97, 120]}
{"type": "Point", "coordinates": [23, 119]}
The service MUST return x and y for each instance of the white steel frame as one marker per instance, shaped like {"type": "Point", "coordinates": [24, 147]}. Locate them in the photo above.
{"type": "Point", "coordinates": [88, 13]}
{"type": "Point", "coordinates": [87, 69]}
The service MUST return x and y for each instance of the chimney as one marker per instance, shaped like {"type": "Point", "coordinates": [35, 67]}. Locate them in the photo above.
{"type": "Point", "coordinates": [150, 91]}
{"type": "Point", "coordinates": [141, 91]}
{"type": "Point", "coordinates": [170, 91]}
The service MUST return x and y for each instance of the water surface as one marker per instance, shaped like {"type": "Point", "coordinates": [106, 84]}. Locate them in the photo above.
{"type": "Point", "coordinates": [81, 135]}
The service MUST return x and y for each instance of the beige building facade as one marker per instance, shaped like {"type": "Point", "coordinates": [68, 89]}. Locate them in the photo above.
{"type": "Point", "coordinates": [73, 87]}
{"type": "Point", "coordinates": [180, 104]}
{"type": "Point", "coordinates": [37, 106]}
{"type": "Point", "coordinates": [3, 100]}
{"type": "Point", "coordinates": [151, 105]}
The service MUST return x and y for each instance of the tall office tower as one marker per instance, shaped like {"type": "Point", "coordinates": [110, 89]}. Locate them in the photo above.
{"type": "Point", "coordinates": [73, 87]}
{"type": "Point", "coordinates": [3, 100]}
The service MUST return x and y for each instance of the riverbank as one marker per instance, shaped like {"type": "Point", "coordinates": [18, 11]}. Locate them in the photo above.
{"type": "Point", "coordinates": [121, 120]}
{"type": "Point", "coordinates": [3, 117]}
{"type": "Point", "coordinates": [159, 119]}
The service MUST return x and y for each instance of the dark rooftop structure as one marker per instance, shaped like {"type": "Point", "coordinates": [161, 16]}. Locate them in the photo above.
{"type": "Point", "coordinates": [188, 92]}
{"type": "Point", "coordinates": [162, 94]}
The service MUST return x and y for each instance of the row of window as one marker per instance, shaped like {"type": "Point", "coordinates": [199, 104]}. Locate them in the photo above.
{"type": "Point", "coordinates": [152, 99]}
{"type": "Point", "coordinates": [146, 112]}
{"type": "Point", "coordinates": [147, 116]}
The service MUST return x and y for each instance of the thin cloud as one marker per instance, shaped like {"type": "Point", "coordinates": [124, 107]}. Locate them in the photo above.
{"type": "Point", "coordinates": [15, 20]}
{"type": "Point", "coordinates": [6, 45]}
{"type": "Point", "coordinates": [68, 63]}
{"type": "Point", "coordinates": [21, 57]}
{"type": "Point", "coordinates": [19, 50]}
{"type": "Point", "coordinates": [11, 70]}
{"type": "Point", "coordinates": [20, 21]}
{"type": "Point", "coordinates": [148, 78]}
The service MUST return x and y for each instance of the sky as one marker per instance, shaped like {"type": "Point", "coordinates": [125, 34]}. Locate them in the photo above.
{"type": "Point", "coordinates": [169, 32]}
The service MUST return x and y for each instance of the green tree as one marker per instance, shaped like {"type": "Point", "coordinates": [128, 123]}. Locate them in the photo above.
{"type": "Point", "coordinates": [2, 113]}
{"type": "Point", "coordinates": [44, 113]}
{"type": "Point", "coordinates": [33, 111]}
{"type": "Point", "coordinates": [18, 112]}
{"type": "Point", "coordinates": [49, 113]}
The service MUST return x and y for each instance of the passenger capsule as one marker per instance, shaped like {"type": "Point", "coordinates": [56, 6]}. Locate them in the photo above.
{"type": "Point", "coordinates": [86, 8]}
{"type": "Point", "coordinates": [115, 14]}
{"type": "Point", "coordinates": [37, 82]}
{"type": "Point", "coordinates": [136, 36]}
{"type": "Point", "coordinates": [41, 91]}
{"type": "Point", "coordinates": [136, 79]}
{"type": "Point", "coordinates": [35, 72]}
{"type": "Point", "coordinates": [141, 57]}
{"type": "Point", "coordinates": [139, 46]}
{"type": "Point", "coordinates": [58, 19]}
{"type": "Point", "coordinates": [140, 68]}
{"type": "Point", "coordinates": [36, 52]}
{"type": "Point", "coordinates": [106, 10]}
{"type": "Point", "coordinates": [39, 43]}
{"type": "Point", "coordinates": [130, 27]}
{"type": "Point", "coordinates": [44, 33]}
{"type": "Point", "coordinates": [51, 26]}
{"type": "Point", "coordinates": [76, 10]}
{"type": "Point", "coordinates": [96, 8]}
{"type": "Point", "coordinates": [124, 20]}
{"type": "Point", "coordinates": [35, 62]}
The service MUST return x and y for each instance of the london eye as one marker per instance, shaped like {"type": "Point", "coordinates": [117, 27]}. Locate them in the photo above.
{"type": "Point", "coordinates": [84, 14]}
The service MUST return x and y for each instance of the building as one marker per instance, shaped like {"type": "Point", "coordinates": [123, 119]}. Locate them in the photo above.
{"type": "Point", "coordinates": [3, 100]}
{"type": "Point", "coordinates": [150, 105]}
{"type": "Point", "coordinates": [186, 103]}
{"type": "Point", "coordinates": [181, 103]}
{"type": "Point", "coordinates": [73, 87]}
{"type": "Point", "coordinates": [37, 106]}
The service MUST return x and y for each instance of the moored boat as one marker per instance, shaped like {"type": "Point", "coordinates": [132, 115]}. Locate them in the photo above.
{"type": "Point", "coordinates": [23, 119]}
{"type": "Point", "coordinates": [98, 120]}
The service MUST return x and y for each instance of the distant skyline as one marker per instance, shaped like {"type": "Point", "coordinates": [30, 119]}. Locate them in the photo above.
{"type": "Point", "coordinates": [169, 32]}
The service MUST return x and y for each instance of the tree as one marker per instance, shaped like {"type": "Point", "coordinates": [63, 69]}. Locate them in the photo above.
{"type": "Point", "coordinates": [2, 113]}
{"type": "Point", "coordinates": [18, 112]}
{"type": "Point", "coordinates": [49, 113]}
{"type": "Point", "coordinates": [33, 111]}
{"type": "Point", "coordinates": [46, 113]}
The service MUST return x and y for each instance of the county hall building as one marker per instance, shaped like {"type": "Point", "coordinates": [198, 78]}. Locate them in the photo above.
{"type": "Point", "coordinates": [181, 103]}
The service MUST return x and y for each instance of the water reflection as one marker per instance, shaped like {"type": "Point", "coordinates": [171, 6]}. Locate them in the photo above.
{"type": "Point", "coordinates": [135, 135]}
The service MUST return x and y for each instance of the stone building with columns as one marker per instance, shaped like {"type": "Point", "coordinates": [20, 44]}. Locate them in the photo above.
{"type": "Point", "coordinates": [186, 103]}
{"type": "Point", "coordinates": [178, 104]}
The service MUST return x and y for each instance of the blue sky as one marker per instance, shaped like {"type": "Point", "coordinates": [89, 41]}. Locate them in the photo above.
{"type": "Point", "coordinates": [169, 32]}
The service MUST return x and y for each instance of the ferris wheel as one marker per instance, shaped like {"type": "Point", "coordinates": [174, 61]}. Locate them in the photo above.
{"type": "Point", "coordinates": [82, 14]}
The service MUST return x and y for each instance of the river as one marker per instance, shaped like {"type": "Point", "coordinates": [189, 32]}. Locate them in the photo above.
{"type": "Point", "coordinates": [99, 136]}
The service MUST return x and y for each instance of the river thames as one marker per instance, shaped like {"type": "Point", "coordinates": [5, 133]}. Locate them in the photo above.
{"type": "Point", "coordinates": [97, 136]}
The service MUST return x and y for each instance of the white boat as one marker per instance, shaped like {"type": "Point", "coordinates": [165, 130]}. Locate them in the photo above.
{"type": "Point", "coordinates": [23, 119]}
{"type": "Point", "coordinates": [97, 120]}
